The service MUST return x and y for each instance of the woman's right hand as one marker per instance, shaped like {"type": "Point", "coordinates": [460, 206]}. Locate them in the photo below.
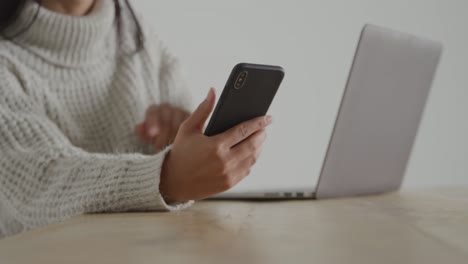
{"type": "Point", "coordinates": [198, 166]}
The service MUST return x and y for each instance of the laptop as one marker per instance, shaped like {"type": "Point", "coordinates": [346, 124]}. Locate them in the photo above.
{"type": "Point", "coordinates": [377, 121]}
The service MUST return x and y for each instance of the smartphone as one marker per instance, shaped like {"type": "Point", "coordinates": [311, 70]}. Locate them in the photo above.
{"type": "Point", "coordinates": [248, 93]}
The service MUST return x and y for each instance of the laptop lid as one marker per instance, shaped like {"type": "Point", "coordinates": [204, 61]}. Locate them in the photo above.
{"type": "Point", "coordinates": [379, 114]}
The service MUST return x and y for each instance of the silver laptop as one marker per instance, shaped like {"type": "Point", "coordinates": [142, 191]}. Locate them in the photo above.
{"type": "Point", "coordinates": [377, 121]}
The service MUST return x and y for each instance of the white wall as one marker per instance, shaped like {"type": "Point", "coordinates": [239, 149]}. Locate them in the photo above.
{"type": "Point", "coordinates": [314, 41]}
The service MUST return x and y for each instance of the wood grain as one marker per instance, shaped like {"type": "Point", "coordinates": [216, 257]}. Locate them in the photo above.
{"type": "Point", "coordinates": [426, 226]}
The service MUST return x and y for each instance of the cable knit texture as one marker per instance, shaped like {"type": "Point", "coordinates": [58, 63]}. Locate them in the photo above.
{"type": "Point", "coordinates": [72, 90]}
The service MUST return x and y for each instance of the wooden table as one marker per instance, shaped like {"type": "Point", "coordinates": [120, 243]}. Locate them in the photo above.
{"type": "Point", "coordinates": [428, 226]}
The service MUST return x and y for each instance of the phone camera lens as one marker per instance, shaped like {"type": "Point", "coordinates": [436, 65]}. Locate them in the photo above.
{"type": "Point", "coordinates": [240, 82]}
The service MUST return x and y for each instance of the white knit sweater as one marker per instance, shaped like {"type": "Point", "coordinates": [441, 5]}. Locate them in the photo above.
{"type": "Point", "coordinates": [71, 92]}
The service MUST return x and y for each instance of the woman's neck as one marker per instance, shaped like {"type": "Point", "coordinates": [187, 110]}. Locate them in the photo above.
{"type": "Point", "coordinates": [69, 7]}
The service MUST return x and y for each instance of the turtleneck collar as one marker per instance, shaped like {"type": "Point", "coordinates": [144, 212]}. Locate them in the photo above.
{"type": "Point", "coordinates": [66, 40]}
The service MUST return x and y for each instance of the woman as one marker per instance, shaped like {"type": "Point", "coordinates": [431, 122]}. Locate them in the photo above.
{"type": "Point", "coordinates": [94, 117]}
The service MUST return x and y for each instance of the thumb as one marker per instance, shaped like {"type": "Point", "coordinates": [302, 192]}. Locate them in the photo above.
{"type": "Point", "coordinates": [197, 119]}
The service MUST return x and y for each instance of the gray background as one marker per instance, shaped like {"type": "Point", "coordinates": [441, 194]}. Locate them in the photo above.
{"type": "Point", "coordinates": [314, 41]}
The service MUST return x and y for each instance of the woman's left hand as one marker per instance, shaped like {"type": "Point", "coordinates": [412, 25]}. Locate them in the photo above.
{"type": "Point", "coordinates": [161, 125]}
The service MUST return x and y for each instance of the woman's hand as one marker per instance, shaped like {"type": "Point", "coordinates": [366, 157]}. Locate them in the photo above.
{"type": "Point", "coordinates": [161, 125]}
{"type": "Point", "coordinates": [199, 166]}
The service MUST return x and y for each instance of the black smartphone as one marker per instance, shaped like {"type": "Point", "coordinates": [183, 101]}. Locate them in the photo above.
{"type": "Point", "coordinates": [248, 93]}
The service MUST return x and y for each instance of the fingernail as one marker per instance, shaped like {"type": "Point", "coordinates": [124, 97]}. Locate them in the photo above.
{"type": "Point", "coordinates": [268, 119]}
{"type": "Point", "coordinates": [208, 96]}
{"type": "Point", "coordinates": [153, 131]}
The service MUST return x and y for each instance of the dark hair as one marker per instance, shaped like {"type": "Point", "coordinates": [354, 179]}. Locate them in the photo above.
{"type": "Point", "coordinates": [10, 9]}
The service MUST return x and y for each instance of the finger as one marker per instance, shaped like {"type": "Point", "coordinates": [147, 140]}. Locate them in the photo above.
{"type": "Point", "coordinates": [139, 130]}
{"type": "Point", "coordinates": [249, 146]}
{"type": "Point", "coordinates": [172, 127]}
{"type": "Point", "coordinates": [177, 119]}
{"type": "Point", "coordinates": [146, 137]}
{"type": "Point", "coordinates": [154, 120]}
{"type": "Point", "coordinates": [242, 131]}
{"type": "Point", "coordinates": [162, 140]}
{"type": "Point", "coordinates": [244, 167]}
{"type": "Point", "coordinates": [196, 121]}
{"type": "Point", "coordinates": [247, 164]}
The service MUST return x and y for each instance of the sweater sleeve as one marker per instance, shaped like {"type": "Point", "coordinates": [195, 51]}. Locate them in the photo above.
{"type": "Point", "coordinates": [44, 178]}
